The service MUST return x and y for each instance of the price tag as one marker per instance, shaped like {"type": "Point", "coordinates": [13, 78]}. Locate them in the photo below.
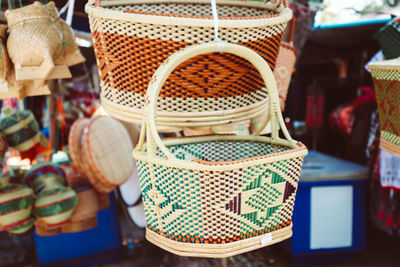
{"type": "Point", "coordinates": [265, 240]}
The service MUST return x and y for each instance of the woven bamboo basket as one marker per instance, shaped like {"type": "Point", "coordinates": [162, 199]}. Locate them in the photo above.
{"type": "Point", "coordinates": [5, 64]}
{"type": "Point", "coordinates": [386, 78]}
{"type": "Point", "coordinates": [54, 202]}
{"type": "Point", "coordinates": [75, 145]}
{"type": "Point", "coordinates": [15, 207]}
{"type": "Point", "coordinates": [107, 147]}
{"type": "Point", "coordinates": [283, 73]}
{"type": "Point", "coordinates": [71, 53]}
{"type": "Point", "coordinates": [132, 37]}
{"type": "Point", "coordinates": [35, 44]}
{"type": "Point", "coordinates": [221, 195]}
{"type": "Point", "coordinates": [20, 128]}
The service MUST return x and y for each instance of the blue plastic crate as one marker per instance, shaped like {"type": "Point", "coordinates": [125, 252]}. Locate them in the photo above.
{"type": "Point", "coordinates": [330, 209]}
{"type": "Point", "coordinates": [104, 239]}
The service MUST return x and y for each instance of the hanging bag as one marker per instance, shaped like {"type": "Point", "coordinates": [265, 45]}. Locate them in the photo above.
{"type": "Point", "coordinates": [221, 195]}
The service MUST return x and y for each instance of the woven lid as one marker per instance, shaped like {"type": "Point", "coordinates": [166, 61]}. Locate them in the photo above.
{"type": "Point", "coordinates": [392, 64]}
{"type": "Point", "coordinates": [74, 141]}
{"type": "Point", "coordinates": [108, 147]}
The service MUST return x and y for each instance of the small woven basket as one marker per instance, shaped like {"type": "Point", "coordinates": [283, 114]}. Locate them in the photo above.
{"type": "Point", "coordinates": [107, 148]}
{"type": "Point", "coordinates": [133, 37]}
{"type": "Point", "coordinates": [35, 44]}
{"type": "Point", "coordinates": [386, 78]}
{"type": "Point", "coordinates": [221, 195]}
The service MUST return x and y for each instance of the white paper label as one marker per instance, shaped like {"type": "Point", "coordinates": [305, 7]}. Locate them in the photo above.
{"type": "Point", "coordinates": [331, 217]}
{"type": "Point", "coordinates": [265, 240]}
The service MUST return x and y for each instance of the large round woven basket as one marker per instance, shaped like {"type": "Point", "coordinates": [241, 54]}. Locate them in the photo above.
{"type": "Point", "coordinates": [386, 78]}
{"type": "Point", "coordinates": [133, 37]}
{"type": "Point", "coordinates": [221, 195]}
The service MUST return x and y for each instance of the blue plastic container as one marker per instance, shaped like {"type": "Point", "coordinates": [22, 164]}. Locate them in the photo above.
{"type": "Point", "coordinates": [104, 239]}
{"type": "Point", "coordinates": [330, 209]}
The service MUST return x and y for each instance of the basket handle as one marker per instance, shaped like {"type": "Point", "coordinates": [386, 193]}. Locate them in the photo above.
{"type": "Point", "coordinates": [276, 3]}
{"type": "Point", "coordinates": [165, 69]}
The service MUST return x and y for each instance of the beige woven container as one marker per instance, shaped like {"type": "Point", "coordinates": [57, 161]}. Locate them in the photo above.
{"type": "Point", "coordinates": [35, 44]}
{"type": "Point", "coordinates": [5, 65]}
{"type": "Point", "coordinates": [221, 195]}
{"type": "Point", "coordinates": [75, 145]}
{"type": "Point", "coordinates": [108, 147]}
{"type": "Point", "coordinates": [386, 78]}
{"type": "Point", "coordinates": [71, 55]}
{"type": "Point", "coordinates": [132, 37]}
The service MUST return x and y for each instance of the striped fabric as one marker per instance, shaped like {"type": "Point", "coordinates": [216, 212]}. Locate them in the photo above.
{"type": "Point", "coordinates": [15, 207]}
{"type": "Point", "coordinates": [39, 172]}
{"type": "Point", "coordinates": [20, 128]}
{"type": "Point", "coordinates": [55, 204]}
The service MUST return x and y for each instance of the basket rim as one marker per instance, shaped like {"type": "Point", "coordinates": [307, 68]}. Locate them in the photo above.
{"type": "Point", "coordinates": [284, 15]}
{"type": "Point", "coordinates": [391, 64]}
{"type": "Point", "coordinates": [299, 151]}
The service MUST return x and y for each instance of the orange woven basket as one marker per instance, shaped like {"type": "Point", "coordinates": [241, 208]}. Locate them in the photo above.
{"type": "Point", "coordinates": [133, 37]}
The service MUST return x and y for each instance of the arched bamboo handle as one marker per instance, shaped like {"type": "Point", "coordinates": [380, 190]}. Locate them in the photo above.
{"type": "Point", "coordinates": [165, 69]}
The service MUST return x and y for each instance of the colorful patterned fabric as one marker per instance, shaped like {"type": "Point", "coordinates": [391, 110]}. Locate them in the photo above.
{"type": "Point", "coordinates": [20, 128]}
{"type": "Point", "coordinates": [15, 207]}
{"type": "Point", "coordinates": [386, 77]}
{"type": "Point", "coordinates": [184, 205]}
{"type": "Point", "coordinates": [55, 204]}
{"type": "Point", "coordinates": [39, 172]}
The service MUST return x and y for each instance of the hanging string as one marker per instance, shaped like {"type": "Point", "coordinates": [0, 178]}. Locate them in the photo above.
{"type": "Point", "coordinates": [221, 44]}
{"type": "Point", "coordinates": [64, 43]}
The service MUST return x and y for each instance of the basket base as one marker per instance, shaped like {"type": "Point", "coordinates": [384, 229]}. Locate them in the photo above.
{"type": "Point", "coordinates": [218, 250]}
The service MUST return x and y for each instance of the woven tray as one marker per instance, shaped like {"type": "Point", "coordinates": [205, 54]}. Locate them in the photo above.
{"type": "Point", "coordinates": [221, 195]}
{"type": "Point", "coordinates": [75, 145]}
{"type": "Point", "coordinates": [108, 148]}
{"type": "Point", "coordinates": [386, 78]}
{"type": "Point", "coordinates": [132, 38]}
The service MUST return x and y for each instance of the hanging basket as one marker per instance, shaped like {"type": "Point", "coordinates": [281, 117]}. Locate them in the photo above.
{"type": "Point", "coordinates": [133, 37]}
{"type": "Point", "coordinates": [221, 195]}
{"type": "Point", "coordinates": [386, 78]}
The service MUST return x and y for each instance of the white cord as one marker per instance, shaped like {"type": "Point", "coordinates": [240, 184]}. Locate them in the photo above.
{"type": "Point", "coordinates": [70, 14]}
{"type": "Point", "coordinates": [63, 9]}
{"type": "Point", "coordinates": [221, 44]}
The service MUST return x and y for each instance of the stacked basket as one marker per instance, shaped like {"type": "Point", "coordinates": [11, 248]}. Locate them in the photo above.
{"type": "Point", "coordinates": [207, 196]}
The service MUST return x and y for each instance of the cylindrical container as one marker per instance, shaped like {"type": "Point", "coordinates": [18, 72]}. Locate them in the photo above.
{"type": "Point", "coordinates": [20, 128]}
{"type": "Point", "coordinates": [132, 38]}
{"type": "Point", "coordinates": [15, 207]}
